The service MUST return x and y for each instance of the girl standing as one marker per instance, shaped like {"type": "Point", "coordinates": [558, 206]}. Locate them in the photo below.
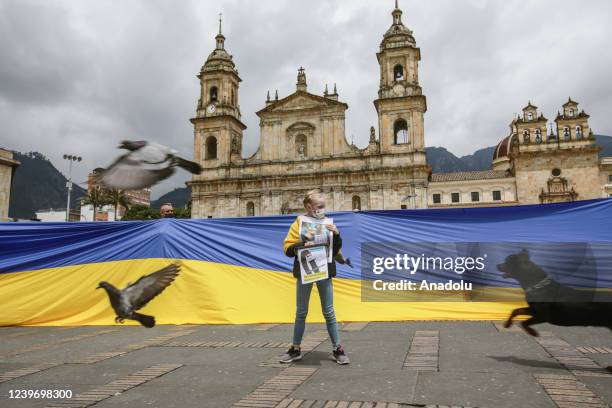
{"type": "Point", "coordinates": [314, 204]}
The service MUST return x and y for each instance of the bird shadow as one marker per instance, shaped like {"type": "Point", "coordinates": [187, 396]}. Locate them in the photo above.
{"type": "Point", "coordinates": [526, 362]}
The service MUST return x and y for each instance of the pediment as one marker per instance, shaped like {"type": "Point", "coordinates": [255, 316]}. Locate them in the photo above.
{"type": "Point", "coordinates": [300, 126]}
{"type": "Point", "coordinates": [299, 101]}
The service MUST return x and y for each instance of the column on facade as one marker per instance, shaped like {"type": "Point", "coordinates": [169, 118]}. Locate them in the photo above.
{"type": "Point", "coordinates": [338, 198]}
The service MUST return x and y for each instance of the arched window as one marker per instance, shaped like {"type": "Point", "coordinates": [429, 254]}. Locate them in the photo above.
{"type": "Point", "coordinates": [213, 94]}
{"type": "Point", "coordinates": [526, 136]}
{"type": "Point", "coordinates": [571, 112]}
{"type": "Point", "coordinates": [578, 132]}
{"type": "Point", "coordinates": [530, 116]}
{"type": "Point", "coordinates": [356, 202]}
{"type": "Point", "coordinates": [566, 133]}
{"type": "Point", "coordinates": [538, 135]}
{"type": "Point", "coordinates": [301, 146]}
{"type": "Point", "coordinates": [398, 72]}
{"type": "Point", "coordinates": [250, 209]}
{"type": "Point", "coordinates": [211, 147]}
{"type": "Point", "coordinates": [400, 131]}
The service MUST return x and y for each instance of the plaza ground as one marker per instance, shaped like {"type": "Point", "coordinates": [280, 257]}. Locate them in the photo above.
{"type": "Point", "coordinates": [399, 364]}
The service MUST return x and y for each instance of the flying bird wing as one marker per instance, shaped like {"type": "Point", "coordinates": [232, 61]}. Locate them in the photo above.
{"type": "Point", "coordinates": [130, 172]}
{"type": "Point", "coordinates": [139, 293]}
{"type": "Point", "coordinates": [188, 165]}
{"type": "Point", "coordinates": [145, 165]}
{"type": "Point", "coordinates": [153, 153]}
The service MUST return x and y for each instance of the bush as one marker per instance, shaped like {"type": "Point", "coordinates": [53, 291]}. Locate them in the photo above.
{"type": "Point", "coordinates": [141, 212]}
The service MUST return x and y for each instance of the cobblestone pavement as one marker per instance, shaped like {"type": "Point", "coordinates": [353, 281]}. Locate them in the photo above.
{"type": "Point", "coordinates": [399, 364]}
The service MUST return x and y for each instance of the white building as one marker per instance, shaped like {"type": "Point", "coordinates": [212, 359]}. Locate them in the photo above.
{"type": "Point", "coordinates": [56, 215]}
{"type": "Point", "coordinates": [106, 213]}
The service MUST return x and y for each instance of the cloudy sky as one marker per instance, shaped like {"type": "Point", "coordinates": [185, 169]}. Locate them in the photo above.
{"type": "Point", "coordinates": [78, 76]}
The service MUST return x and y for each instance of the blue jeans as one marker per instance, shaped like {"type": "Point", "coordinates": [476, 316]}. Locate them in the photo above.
{"type": "Point", "coordinates": [326, 294]}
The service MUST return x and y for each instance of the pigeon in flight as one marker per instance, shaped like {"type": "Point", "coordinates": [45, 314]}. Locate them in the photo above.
{"type": "Point", "coordinates": [136, 295]}
{"type": "Point", "coordinates": [145, 164]}
{"type": "Point", "coordinates": [342, 260]}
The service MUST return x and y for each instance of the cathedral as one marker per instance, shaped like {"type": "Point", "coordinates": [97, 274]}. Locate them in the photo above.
{"type": "Point", "coordinates": [533, 165]}
{"type": "Point", "coordinates": [303, 146]}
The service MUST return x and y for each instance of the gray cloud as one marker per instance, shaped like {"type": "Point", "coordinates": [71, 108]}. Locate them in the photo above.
{"type": "Point", "coordinates": [77, 77]}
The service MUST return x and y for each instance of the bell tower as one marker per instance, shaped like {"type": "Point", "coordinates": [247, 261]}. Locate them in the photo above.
{"type": "Point", "coordinates": [401, 103]}
{"type": "Point", "coordinates": [218, 129]}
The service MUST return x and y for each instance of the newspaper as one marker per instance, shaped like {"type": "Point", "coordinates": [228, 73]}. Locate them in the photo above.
{"type": "Point", "coordinates": [315, 230]}
{"type": "Point", "coordinates": [314, 259]}
{"type": "Point", "coordinates": [313, 263]}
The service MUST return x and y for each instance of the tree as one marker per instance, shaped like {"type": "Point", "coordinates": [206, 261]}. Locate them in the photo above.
{"type": "Point", "coordinates": [96, 197]}
{"type": "Point", "coordinates": [118, 198]}
{"type": "Point", "coordinates": [182, 213]}
{"type": "Point", "coordinates": [140, 212]}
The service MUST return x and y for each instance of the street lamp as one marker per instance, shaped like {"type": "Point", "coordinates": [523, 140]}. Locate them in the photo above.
{"type": "Point", "coordinates": [412, 195]}
{"type": "Point", "coordinates": [70, 159]}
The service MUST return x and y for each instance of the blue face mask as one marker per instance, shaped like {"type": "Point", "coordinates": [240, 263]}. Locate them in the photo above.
{"type": "Point", "coordinates": [319, 213]}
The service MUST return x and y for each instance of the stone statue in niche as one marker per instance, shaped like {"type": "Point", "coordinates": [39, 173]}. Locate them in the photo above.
{"type": "Point", "coordinates": [301, 151]}
{"type": "Point", "coordinates": [235, 144]}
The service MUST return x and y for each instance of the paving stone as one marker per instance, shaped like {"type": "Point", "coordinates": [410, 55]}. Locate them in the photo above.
{"type": "Point", "coordinates": [571, 390]}
{"type": "Point", "coordinates": [45, 346]}
{"type": "Point", "coordinates": [354, 326]}
{"type": "Point", "coordinates": [594, 350]}
{"type": "Point", "coordinates": [102, 366]}
{"type": "Point", "coordinates": [11, 375]}
{"type": "Point", "coordinates": [570, 357]}
{"type": "Point", "coordinates": [96, 395]}
{"type": "Point", "coordinates": [423, 353]}
{"type": "Point", "coordinates": [277, 388]}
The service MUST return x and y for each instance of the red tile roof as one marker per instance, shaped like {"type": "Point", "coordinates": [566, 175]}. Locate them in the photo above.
{"type": "Point", "coordinates": [469, 175]}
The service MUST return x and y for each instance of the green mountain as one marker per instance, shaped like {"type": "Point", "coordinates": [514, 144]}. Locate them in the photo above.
{"type": "Point", "coordinates": [480, 159]}
{"type": "Point", "coordinates": [179, 197]}
{"type": "Point", "coordinates": [443, 161]}
{"type": "Point", "coordinates": [37, 185]}
{"type": "Point", "coordinates": [606, 145]}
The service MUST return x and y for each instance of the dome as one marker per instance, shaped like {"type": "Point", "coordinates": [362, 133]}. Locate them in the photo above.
{"type": "Point", "coordinates": [503, 148]}
{"type": "Point", "coordinates": [398, 32]}
{"type": "Point", "coordinates": [219, 57]}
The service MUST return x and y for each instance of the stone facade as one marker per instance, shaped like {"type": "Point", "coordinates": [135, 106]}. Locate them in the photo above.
{"type": "Point", "coordinates": [534, 166]}
{"type": "Point", "coordinates": [561, 166]}
{"type": "Point", "coordinates": [303, 146]}
{"type": "Point", "coordinates": [7, 166]}
{"type": "Point", "coordinates": [472, 189]}
{"type": "Point", "coordinates": [303, 143]}
{"type": "Point", "coordinates": [605, 173]}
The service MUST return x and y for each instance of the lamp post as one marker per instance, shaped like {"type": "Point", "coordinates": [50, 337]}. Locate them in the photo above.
{"type": "Point", "coordinates": [70, 159]}
{"type": "Point", "coordinates": [411, 195]}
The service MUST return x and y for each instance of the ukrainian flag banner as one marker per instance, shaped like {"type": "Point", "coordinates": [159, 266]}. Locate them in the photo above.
{"type": "Point", "coordinates": [234, 270]}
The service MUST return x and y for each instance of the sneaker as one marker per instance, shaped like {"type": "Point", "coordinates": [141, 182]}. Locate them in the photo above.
{"type": "Point", "coordinates": [340, 357]}
{"type": "Point", "coordinates": [291, 355]}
